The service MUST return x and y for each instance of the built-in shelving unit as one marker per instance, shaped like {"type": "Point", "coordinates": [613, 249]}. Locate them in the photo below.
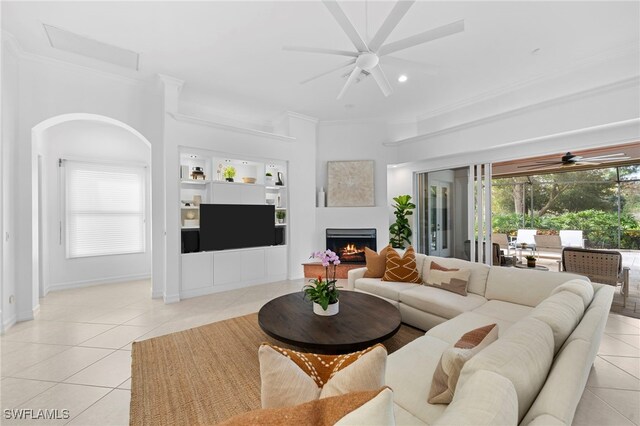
{"type": "Point", "coordinates": [208, 272]}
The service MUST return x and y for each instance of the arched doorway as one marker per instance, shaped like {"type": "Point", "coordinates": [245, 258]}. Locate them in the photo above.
{"type": "Point", "coordinates": [83, 139]}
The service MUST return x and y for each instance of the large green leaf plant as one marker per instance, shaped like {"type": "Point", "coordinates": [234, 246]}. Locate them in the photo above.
{"type": "Point", "coordinates": [400, 231]}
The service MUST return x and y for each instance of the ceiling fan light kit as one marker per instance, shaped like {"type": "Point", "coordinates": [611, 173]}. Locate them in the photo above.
{"type": "Point", "coordinates": [366, 59]}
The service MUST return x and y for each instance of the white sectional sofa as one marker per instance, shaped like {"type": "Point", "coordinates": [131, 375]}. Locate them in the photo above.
{"type": "Point", "coordinates": [550, 326]}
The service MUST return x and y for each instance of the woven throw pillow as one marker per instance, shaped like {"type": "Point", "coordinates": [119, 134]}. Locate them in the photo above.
{"type": "Point", "coordinates": [453, 280]}
{"type": "Point", "coordinates": [401, 269]}
{"type": "Point", "coordinates": [445, 378]}
{"type": "Point", "coordinates": [376, 263]}
{"type": "Point", "coordinates": [367, 407]}
{"type": "Point", "coordinates": [290, 377]}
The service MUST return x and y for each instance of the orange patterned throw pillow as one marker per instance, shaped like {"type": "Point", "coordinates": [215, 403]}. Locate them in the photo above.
{"type": "Point", "coordinates": [376, 263]}
{"type": "Point", "coordinates": [401, 269]}
{"type": "Point", "coordinates": [290, 377]}
{"type": "Point", "coordinates": [445, 378]}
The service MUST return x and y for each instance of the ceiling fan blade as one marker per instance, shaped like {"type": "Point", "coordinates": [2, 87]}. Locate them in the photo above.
{"type": "Point", "coordinates": [345, 64]}
{"type": "Point", "coordinates": [612, 156]}
{"type": "Point", "coordinates": [607, 160]}
{"type": "Point", "coordinates": [429, 35]}
{"type": "Point", "coordinates": [319, 50]}
{"type": "Point", "coordinates": [583, 163]}
{"type": "Point", "coordinates": [419, 67]}
{"type": "Point", "coordinates": [539, 164]}
{"type": "Point", "coordinates": [346, 25]}
{"type": "Point", "coordinates": [390, 23]}
{"type": "Point", "coordinates": [352, 77]}
{"type": "Point", "coordinates": [382, 81]}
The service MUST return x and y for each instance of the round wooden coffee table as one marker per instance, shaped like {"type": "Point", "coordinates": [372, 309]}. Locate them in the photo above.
{"type": "Point", "coordinates": [363, 320]}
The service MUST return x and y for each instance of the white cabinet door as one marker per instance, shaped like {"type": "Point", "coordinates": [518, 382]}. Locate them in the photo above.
{"type": "Point", "coordinates": [253, 264]}
{"type": "Point", "coordinates": [227, 267]}
{"type": "Point", "coordinates": [276, 261]}
{"type": "Point", "coordinates": [197, 271]}
{"type": "Point", "coordinates": [252, 194]}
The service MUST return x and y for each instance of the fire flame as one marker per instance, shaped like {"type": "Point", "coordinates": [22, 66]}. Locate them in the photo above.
{"type": "Point", "coordinates": [351, 249]}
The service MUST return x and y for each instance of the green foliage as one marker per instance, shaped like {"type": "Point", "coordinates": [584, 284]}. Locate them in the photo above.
{"type": "Point", "coordinates": [229, 172]}
{"type": "Point", "coordinates": [400, 231]}
{"type": "Point", "coordinates": [281, 214]}
{"type": "Point", "coordinates": [600, 228]}
{"type": "Point", "coordinates": [322, 292]}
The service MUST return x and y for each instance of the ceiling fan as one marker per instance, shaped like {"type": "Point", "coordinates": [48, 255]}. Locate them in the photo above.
{"type": "Point", "coordinates": [570, 159]}
{"type": "Point", "coordinates": [368, 55]}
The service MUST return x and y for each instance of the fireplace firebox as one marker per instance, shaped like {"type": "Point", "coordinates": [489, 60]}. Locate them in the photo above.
{"type": "Point", "coordinates": [349, 244]}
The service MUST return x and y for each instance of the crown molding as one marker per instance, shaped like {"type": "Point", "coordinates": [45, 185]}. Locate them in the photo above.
{"type": "Point", "coordinates": [630, 48]}
{"type": "Point", "coordinates": [303, 117]}
{"type": "Point", "coordinates": [46, 60]}
{"type": "Point", "coordinates": [218, 125]}
{"type": "Point", "coordinates": [167, 80]}
{"type": "Point", "coordinates": [621, 84]}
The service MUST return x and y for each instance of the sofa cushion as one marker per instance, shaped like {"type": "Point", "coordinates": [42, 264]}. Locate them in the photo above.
{"type": "Point", "coordinates": [582, 288]}
{"type": "Point", "coordinates": [405, 418]}
{"type": "Point", "coordinates": [401, 268]}
{"type": "Point", "coordinates": [442, 303]}
{"type": "Point", "coordinates": [409, 373]}
{"type": "Point", "coordinates": [523, 355]}
{"type": "Point", "coordinates": [445, 378]}
{"type": "Point", "coordinates": [377, 411]}
{"type": "Point", "coordinates": [386, 289]}
{"type": "Point", "coordinates": [563, 388]}
{"type": "Point", "coordinates": [477, 277]}
{"type": "Point", "coordinates": [562, 312]}
{"type": "Point", "coordinates": [523, 286]}
{"type": "Point", "coordinates": [452, 330]}
{"type": "Point", "coordinates": [505, 311]}
{"type": "Point", "coordinates": [450, 279]}
{"type": "Point", "coordinates": [290, 377]}
{"type": "Point", "coordinates": [487, 399]}
{"type": "Point", "coordinates": [376, 263]}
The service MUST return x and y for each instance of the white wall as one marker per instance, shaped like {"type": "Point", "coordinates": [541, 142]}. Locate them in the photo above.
{"type": "Point", "coordinates": [47, 89]}
{"type": "Point", "coordinates": [345, 141]}
{"type": "Point", "coordinates": [92, 141]}
{"type": "Point", "coordinates": [8, 178]}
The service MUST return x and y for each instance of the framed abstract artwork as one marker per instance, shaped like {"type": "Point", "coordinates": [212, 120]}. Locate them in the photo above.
{"type": "Point", "coordinates": [350, 184]}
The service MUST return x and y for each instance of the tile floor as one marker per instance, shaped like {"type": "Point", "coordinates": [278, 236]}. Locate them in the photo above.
{"type": "Point", "coordinates": [76, 354]}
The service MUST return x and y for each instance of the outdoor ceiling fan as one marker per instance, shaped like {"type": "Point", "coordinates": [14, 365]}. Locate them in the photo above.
{"type": "Point", "coordinates": [368, 55]}
{"type": "Point", "coordinates": [570, 159]}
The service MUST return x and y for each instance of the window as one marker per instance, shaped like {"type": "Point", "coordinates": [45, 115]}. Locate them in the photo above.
{"type": "Point", "coordinates": [105, 209]}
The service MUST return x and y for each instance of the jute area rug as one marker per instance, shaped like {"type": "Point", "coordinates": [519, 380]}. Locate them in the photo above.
{"type": "Point", "coordinates": [206, 374]}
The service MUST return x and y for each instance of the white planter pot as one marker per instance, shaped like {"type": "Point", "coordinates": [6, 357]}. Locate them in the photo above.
{"type": "Point", "coordinates": [331, 309]}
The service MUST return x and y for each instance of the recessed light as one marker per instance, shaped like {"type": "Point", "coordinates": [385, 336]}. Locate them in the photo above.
{"type": "Point", "coordinates": [402, 78]}
{"type": "Point", "coordinates": [193, 156]}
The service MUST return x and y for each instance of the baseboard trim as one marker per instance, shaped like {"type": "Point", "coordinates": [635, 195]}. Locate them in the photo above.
{"type": "Point", "coordinates": [171, 298]}
{"type": "Point", "coordinates": [8, 323]}
{"type": "Point", "coordinates": [89, 283]}
{"type": "Point", "coordinates": [188, 294]}
{"type": "Point", "coordinates": [156, 294]}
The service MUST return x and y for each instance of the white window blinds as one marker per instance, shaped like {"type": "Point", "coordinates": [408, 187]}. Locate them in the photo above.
{"type": "Point", "coordinates": [105, 209]}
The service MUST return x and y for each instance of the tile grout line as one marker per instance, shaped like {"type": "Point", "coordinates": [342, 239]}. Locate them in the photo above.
{"type": "Point", "coordinates": [613, 408]}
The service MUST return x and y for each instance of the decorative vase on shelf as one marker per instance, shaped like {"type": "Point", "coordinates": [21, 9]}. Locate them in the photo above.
{"type": "Point", "coordinates": [332, 309]}
{"type": "Point", "coordinates": [229, 179]}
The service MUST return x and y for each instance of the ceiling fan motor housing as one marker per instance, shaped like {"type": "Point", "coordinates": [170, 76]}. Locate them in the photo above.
{"type": "Point", "coordinates": [367, 61]}
{"type": "Point", "coordinates": [568, 158]}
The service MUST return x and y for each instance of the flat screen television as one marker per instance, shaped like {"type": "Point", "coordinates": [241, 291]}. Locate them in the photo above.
{"type": "Point", "coordinates": [234, 226]}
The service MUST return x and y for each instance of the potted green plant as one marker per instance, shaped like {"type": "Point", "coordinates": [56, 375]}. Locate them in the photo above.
{"type": "Point", "coordinates": [400, 231]}
{"type": "Point", "coordinates": [531, 261]}
{"type": "Point", "coordinates": [324, 292]}
{"type": "Point", "coordinates": [280, 215]}
{"type": "Point", "coordinates": [229, 173]}
{"type": "Point", "coordinates": [268, 179]}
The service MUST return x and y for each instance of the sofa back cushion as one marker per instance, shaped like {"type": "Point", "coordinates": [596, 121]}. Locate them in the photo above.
{"type": "Point", "coordinates": [562, 312]}
{"type": "Point", "coordinates": [477, 276]}
{"type": "Point", "coordinates": [582, 288]}
{"type": "Point", "coordinates": [523, 355]}
{"type": "Point", "coordinates": [486, 399]}
{"type": "Point", "coordinates": [523, 286]}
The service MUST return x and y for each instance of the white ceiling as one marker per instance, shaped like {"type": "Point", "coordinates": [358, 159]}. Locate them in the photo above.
{"type": "Point", "coordinates": [230, 53]}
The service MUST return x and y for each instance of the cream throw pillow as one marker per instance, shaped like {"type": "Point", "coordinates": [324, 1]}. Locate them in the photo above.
{"type": "Point", "coordinates": [445, 378]}
{"type": "Point", "coordinates": [289, 377]}
{"type": "Point", "coordinates": [453, 280]}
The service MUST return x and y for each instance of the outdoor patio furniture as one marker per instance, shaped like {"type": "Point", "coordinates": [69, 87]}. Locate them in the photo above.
{"type": "Point", "coordinates": [503, 241]}
{"type": "Point", "coordinates": [600, 266]}
{"type": "Point", "coordinates": [571, 238]}
{"type": "Point", "coordinates": [548, 244]}
{"type": "Point", "coordinates": [525, 236]}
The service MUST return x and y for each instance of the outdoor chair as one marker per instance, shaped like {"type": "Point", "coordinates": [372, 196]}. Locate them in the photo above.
{"type": "Point", "coordinates": [548, 244]}
{"type": "Point", "coordinates": [502, 240]}
{"type": "Point", "coordinates": [600, 266]}
{"type": "Point", "coordinates": [571, 238]}
{"type": "Point", "coordinates": [525, 236]}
